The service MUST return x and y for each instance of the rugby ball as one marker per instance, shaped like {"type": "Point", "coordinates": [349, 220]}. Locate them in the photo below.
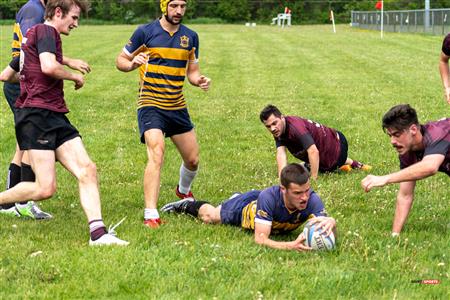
{"type": "Point", "coordinates": [316, 239]}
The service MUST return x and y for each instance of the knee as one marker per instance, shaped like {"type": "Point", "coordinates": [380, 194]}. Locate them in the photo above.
{"type": "Point", "coordinates": [156, 155]}
{"type": "Point", "coordinates": [205, 217]}
{"type": "Point", "coordinates": [209, 214]}
{"type": "Point", "coordinates": [89, 173]}
{"type": "Point", "coordinates": [45, 191]}
{"type": "Point", "coordinates": [192, 163]}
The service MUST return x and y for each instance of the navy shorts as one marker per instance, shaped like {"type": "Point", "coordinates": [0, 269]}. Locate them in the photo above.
{"type": "Point", "coordinates": [231, 209]}
{"type": "Point", "coordinates": [344, 150]}
{"type": "Point", "coordinates": [12, 92]}
{"type": "Point", "coordinates": [171, 122]}
{"type": "Point", "coordinates": [42, 129]}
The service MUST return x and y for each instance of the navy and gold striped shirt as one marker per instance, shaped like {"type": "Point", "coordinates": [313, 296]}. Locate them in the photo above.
{"type": "Point", "coordinates": [30, 14]}
{"type": "Point", "coordinates": [269, 209]}
{"type": "Point", "coordinates": [162, 77]}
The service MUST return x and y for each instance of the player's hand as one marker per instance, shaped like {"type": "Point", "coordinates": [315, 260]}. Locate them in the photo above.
{"type": "Point", "coordinates": [204, 82]}
{"type": "Point", "coordinates": [326, 223]}
{"type": "Point", "coordinates": [79, 65]}
{"type": "Point", "coordinates": [372, 181]}
{"type": "Point", "coordinates": [299, 244]}
{"type": "Point", "coordinates": [79, 81]}
{"type": "Point", "coordinates": [139, 60]}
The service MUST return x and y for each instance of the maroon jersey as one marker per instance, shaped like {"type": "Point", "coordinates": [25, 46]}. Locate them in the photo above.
{"type": "Point", "coordinates": [300, 134]}
{"type": "Point", "coordinates": [436, 139]}
{"type": "Point", "coordinates": [37, 89]}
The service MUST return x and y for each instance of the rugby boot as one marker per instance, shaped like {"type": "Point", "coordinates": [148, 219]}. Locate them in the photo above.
{"type": "Point", "coordinates": [32, 210]}
{"type": "Point", "coordinates": [183, 196]}
{"type": "Point", "coordinates": [177, 206]}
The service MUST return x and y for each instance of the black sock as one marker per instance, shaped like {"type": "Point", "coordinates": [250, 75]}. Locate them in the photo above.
{"type": "Point", "coordinates": [27, 174]}
{"type": "Point", "coordinates": [12, 179]}
{"type": "Point", "coordinates": [192, 207]}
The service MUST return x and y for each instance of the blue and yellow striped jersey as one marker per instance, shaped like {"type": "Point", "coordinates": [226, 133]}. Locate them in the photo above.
{"type": "Point", "coordinates": [162, 77]}
{"type": "Point", "coordinates": [30, 14]}
{"type": "Point", "coordinates": [270, 209]}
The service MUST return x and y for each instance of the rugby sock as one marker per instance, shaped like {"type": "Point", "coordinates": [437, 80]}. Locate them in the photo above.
{"type": "Point", "coordinates": [186, 178]}
{"type": "Point", "coordinates": [27, 174]}
{"type": "Point", "coordinates": [151, 213]}
{"type": "Point", "coordinates": [192, 207]}
{"type": "Point", "coordinates": [12, 179]}
{"type": "Point", "coordinates": [356, 164]}
{"type": "Point", "coordinates": [97, 229]}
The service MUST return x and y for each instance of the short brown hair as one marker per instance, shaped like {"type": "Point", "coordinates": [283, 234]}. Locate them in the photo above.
{"type": "Point", "coordinates": [400, 117]}
{"type": "Point", "coordinates": [294, 173]}
{"type": "Point", "coordinates": [65, 6]}
{"type": "Point", "coordinates": [268, 111]}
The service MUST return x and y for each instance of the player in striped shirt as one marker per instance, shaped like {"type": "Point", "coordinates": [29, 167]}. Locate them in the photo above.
{"type": "Point", "coordinates": [165, 52]}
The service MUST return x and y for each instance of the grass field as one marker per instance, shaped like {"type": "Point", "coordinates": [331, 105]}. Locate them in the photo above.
{"type": "Point", "coordinates": [346, 80]}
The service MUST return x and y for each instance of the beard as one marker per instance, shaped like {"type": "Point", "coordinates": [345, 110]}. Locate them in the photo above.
{"type": "Point", "coordinates": [171, 21]}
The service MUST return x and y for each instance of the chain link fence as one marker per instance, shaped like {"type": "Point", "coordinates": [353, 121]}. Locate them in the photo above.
{"type": "Point", "coordinates": [433, 21]}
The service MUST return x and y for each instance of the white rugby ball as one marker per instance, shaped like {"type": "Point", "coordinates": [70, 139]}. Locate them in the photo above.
{"type": "Point", "coordinates": [317, 239]}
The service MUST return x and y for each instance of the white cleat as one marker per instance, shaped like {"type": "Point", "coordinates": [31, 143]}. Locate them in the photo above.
{"type": "Point", "coordinates": [107, 240]}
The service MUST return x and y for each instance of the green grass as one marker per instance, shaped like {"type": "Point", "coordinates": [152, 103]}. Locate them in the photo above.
{"type": "Point", "coordinates": [346, 80]}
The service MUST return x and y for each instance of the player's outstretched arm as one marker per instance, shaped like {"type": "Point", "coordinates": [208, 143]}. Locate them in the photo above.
{"type": "Point", "coordinates": [428, 166]}
{"type": "Point", "coordinates": [77, 64]}
{"type": "Point", "coordinates": [196, 78]}
{"type": "Point", "coordinates": [314, 160]}
{"type": "Point", "coordinates": [51, 67]}
{"type": "Point", "coordinates": [9, 74]}
{"type": "Point", "coordinates": [127, 63]}
{"type": "Point", "coordinates": [262, 233]}
{"type": "Point", "coordinates": [405, 198]}
{"type": "Point", "coordinates": [444, 71]}
{"type": "Point", "coordinates": [281, 159]}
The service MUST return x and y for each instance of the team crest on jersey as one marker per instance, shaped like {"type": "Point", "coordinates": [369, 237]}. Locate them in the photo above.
{"type": "Point", "coordinates": [262, 213]}
{"type": "Point", "coordinates": [184, 41]}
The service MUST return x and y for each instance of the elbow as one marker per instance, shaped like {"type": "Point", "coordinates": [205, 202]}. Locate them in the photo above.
{"type": "Point", "coordinates": [259, 240]}
{"type": "Point", "coordinates": [48, 70]}
{"type": "Point", "coordinates": [429, 168]}
{"type": "Point", "coordinates": [432, 170]}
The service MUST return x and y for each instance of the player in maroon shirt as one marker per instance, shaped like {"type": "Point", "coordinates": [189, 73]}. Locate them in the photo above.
{"type": "Point", "coordinates": [41, 125]}
{"type": "Point", "coordinates": [423, 151]}
{"type": "Point", "coordinates": [324, 149]}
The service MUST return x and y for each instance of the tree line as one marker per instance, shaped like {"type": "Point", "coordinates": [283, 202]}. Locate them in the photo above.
{"type": "Point", "coordinates": [232, 11]}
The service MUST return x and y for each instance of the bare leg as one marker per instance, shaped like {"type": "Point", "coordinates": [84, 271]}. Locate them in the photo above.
{"type": "Point", "coordinates": [154, 139]}
{"type": "Point", "coordinates": [73, 156]}
{"type": "Point", "coordinates": [43, 164]}
{"type": "Point", "coordinates": [17, 159]}
{"type": "Point", "coordinates": [187, 145]}
{"type": "Point", "coordinates": [188, 148]}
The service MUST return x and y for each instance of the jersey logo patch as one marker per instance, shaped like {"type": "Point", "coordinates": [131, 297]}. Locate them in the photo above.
{"type": "Point", "coordinates": [184, 41]}
{"type": "Point", "coordinates": [262, 213]}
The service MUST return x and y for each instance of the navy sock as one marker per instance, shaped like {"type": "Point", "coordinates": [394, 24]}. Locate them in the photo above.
{"type": "Point", "coordinates": [192, 207]}
{"type": "Point", "coordinates": [27, 175]}
{"type": "Point", "coordinates": [12, 179]}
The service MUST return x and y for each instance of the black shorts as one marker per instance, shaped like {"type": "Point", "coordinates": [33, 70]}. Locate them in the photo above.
{"type": "Point", "coordinates": [171, 122]}
{"type": "Point", "coordinates": [42, 129]}
{"type": "Point", "coordinates": [12, 92]}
